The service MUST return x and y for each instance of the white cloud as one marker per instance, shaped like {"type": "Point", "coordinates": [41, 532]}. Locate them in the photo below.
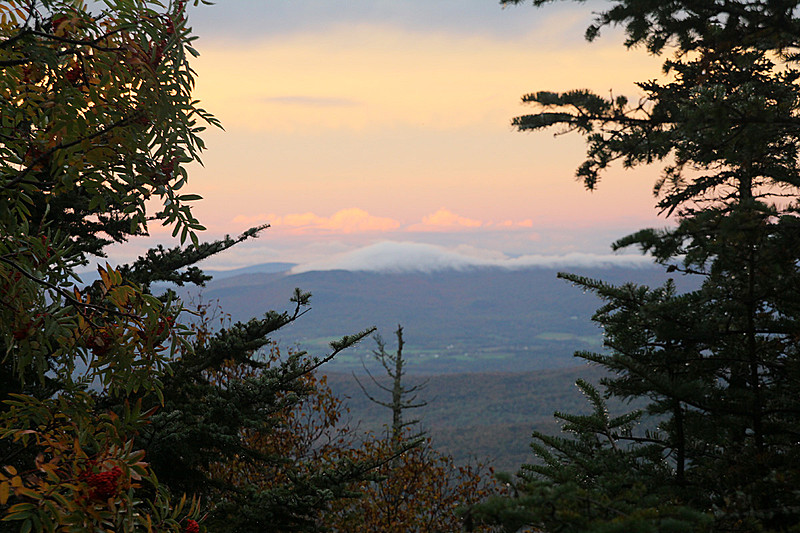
{"type": "Point", "coordinates": [391, 256]}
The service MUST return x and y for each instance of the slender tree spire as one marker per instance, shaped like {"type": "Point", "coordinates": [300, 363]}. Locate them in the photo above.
{"type": "Point", "coordinates": [403, 397]}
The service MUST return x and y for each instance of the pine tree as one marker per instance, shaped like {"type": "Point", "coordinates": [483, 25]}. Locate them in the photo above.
{"type": "Point", "coordinates": [717, 367]}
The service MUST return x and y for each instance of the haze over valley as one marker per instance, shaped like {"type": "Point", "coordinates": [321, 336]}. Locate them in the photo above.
{"type": "Point", "coordinates": [493, 339]}
{"type": "Point", "coordinates": [460, 314]}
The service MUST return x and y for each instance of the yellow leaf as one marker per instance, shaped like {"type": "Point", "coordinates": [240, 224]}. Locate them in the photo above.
{"type": "Point", "coordinates": [104, 275]}
{"type": "Point", "coordinates": [22, 491]}
{"type": "Point", "coordinates": [19, 508]}
{"type": "Point", "coordinates": [5, 490]}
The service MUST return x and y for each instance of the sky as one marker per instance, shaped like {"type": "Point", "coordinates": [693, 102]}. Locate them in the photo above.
{"type": "Point", "coordinates": [351, 124]}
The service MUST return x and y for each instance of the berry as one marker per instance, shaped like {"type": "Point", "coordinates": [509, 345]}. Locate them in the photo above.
{"type": "Point", "coordinates": [104, 484]}
{"type": "Point", "coordinates": [192, 526]}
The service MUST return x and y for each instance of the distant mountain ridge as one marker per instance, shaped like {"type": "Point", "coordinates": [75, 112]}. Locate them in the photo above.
{"type": "Point", "coordinates": [466, 320]}
{"type": "Point", "coordinates": [262, 268]}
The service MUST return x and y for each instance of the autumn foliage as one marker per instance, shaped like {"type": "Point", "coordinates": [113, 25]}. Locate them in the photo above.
{"type": "Point", "coordinates": [421, 490]}
{"type": "Point", "coordinates": [115, 414]}
{"type": "Point", "coordinates": [96, 117]}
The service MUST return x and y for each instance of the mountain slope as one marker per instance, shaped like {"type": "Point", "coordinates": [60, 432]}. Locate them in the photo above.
{"type": "Point", "coordinates": [488, 319]}
{"type": "Point", "coordinates": [478, 415]}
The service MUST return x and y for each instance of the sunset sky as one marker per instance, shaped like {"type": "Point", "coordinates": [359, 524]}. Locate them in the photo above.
{"type": "Point", "coordinates": [373, 121]}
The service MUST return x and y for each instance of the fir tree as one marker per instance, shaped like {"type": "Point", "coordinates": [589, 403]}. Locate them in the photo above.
{"type": "Point", "coordinates": [716, 367]}
{"type": "Point", "coordinates": [403, 396]}
{"type": "Point", "coordinates": [420, 489]}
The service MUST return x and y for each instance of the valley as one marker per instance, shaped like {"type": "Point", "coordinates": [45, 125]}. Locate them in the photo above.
{"type": "Point", "coordinates": [495, 346]}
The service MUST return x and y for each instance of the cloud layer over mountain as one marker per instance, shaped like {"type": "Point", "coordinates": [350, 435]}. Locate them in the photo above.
{"type": "Point", "coordinates": [391, 256]}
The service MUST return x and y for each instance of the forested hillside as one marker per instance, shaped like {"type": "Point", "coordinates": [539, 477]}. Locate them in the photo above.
{"type": "Point", "coordinates": [493, 425]}
{"type": "Point", "coordinates": [475, 320]}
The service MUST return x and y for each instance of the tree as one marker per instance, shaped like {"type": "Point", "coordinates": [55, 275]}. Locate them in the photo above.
{"type": "Point", "coordinates": [254, 434]}
{"type": "Point", "coordinates": [96, 117]}
{"type": "Point", "coordinates": [716, 367]}
{"type": "Point", "coordinates": [420, 489]}
{"type": "Point", "coordinates": [109, 409]}
{"type": "Point", "coordinates": [403, 396]}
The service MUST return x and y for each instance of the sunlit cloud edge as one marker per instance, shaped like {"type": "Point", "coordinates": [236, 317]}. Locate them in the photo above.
{"type": "Point", "coordinates": [405, 256]}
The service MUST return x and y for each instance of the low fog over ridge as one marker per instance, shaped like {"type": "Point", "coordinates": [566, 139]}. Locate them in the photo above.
{"type": "Point", "coordinates": [390, 256]}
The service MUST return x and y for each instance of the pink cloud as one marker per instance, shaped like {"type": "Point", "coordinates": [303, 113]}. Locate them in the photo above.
{"type": "Point", "coordinates": [354, 220]}
{"type": "Point", "coordinates": [444, 220]}
{"type": "Point", "coordinates": [351, 220]}
{"type": "Point", "coordinates": [527, 223]}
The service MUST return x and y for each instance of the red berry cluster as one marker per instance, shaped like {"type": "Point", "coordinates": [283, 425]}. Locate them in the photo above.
{"type": "Point", "coordinates": [168, 166]}
{"type": "Point", "coordinates": [100, 343]}
{"type": "Point", "coordinates": [74, 74]}
{"type": "Point", "coordinates": [104, 484]}
{"type": "Point", "coordinates": [191, 526]}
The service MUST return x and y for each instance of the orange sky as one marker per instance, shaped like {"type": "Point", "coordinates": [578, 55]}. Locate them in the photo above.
{"type": "Point", "coordinates": [362, 129]}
